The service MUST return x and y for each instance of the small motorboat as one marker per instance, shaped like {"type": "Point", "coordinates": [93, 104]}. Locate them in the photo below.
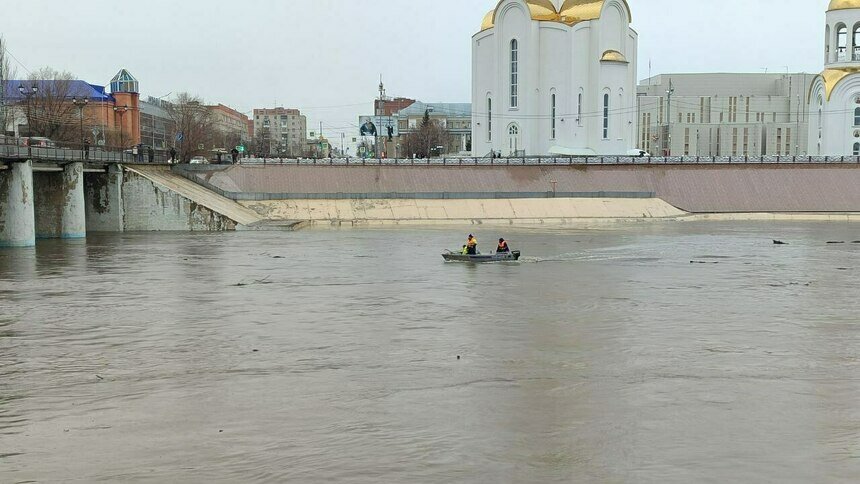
{"type": "Point", "coordinates": [512, 256]}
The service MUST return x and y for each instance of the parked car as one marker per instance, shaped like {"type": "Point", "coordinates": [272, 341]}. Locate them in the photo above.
{"type": "Point", "coordinates": [199, 160]}
{"type": "Point", "coordinates": [639, 153]}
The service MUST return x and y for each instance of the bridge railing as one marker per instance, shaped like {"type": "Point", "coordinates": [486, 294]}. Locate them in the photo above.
{"type": "Point", "coordinates": [24, 148]}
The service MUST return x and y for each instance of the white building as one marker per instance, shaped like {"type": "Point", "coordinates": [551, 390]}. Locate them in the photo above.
{"type": "Point", "coordinates": [724, 114]}
{"type": "Point", "coordinates": [554, 76]}
{"type": "Point", "coordinates": [834, 100]}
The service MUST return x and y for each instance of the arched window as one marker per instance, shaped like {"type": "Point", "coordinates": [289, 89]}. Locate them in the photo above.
{"type": "Point", "coordinates": [606, 116]}
{"type": "Point", "coordinates": [841, 43]}
{"type": "Point", "coordinates": [514, 73]}
{"type": "Point", "coordinates": [552, 111]}
{"type": "Point", "coordinates": [856, 149]}
{"type": "Point", "coordinates": [857, 117]}
{"type": "Point", "coordinates": [855, 43]}
{"type": "Point", "coordinates": [489, 119]}
{"type": "Point", "coordinates": [514, 139]}
{"type": "Point", "coordinates": [579, 110]}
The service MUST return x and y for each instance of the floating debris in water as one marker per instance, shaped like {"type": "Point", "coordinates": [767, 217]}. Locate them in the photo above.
{"type": "Point", "coordinates": [260, 281]}
{"type": "Point", "coordinates": [836, 242]}
{"type": "Point", "coordinates": [779, 242]}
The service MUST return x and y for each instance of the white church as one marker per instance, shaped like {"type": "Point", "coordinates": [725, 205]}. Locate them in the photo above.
{"type": "Point", "coordinates": [554, 76]}
{"type": "Point", "coordinates": [834, 99]}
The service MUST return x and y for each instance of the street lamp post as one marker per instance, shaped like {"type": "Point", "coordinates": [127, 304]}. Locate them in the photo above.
{"type": "Point", "coordinates": [81, 104]}
{"type": "Point", "coordinates": [28, 94]}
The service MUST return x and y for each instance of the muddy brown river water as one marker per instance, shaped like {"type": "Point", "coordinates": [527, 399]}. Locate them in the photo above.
{"type": "Point", "coordinates": [646, 353]}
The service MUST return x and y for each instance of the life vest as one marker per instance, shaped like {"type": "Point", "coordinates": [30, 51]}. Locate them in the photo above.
{"type": "Point", "coordinates": [472, 242]}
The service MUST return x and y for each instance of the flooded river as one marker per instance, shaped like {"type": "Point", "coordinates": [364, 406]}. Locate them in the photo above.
{"type": "Point", "coordinates": [655, 353]}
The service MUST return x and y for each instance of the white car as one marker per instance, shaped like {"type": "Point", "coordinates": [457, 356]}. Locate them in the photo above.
{"type": "Point", "coordinates": [639, 153]}
{"type": "Point", "coordinates": [199, 160]}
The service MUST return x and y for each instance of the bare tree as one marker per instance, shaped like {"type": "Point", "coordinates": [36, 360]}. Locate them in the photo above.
{"type": "Point", "coordinates": [49, 111]}
{"type": "Point", "coordinates": [7, 73]}
{"type": "Point", "coordinates": [424, 142]}
{"type": "Point", "coordinates": [263, 141]}
{"type": "Point", "coordinates": [193, 122]}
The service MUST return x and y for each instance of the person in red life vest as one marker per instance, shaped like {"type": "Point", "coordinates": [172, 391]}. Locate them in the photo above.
{"type": "Point", "coordinates": [503, 247]}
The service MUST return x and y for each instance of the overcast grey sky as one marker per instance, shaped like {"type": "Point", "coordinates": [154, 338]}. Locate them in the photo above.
{"type": "Point", "coordinates": [325, 56]}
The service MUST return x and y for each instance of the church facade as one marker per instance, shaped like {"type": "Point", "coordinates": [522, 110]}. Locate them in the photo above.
{"type": "Point", "coordinates": [554, 77]}
{"type": "Point", "coordinates": [834, 98]}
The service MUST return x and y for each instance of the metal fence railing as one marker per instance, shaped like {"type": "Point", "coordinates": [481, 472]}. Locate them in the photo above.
{"type": "Point", "coordinates": [20, 148]}
{"type": "Point", "coordinates": [36, 150]}
{"type": "Point", "coordinates": [559, 161]}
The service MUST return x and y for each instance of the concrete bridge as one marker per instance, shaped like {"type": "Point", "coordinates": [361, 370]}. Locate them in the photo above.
{"type": "Point", "coordinates": [66, 199]}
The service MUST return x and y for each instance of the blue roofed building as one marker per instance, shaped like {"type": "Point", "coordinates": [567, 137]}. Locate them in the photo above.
{"type": "Point", "coordinates": [72, 110]}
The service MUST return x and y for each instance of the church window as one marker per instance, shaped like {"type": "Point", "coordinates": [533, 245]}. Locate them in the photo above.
{"type": "Point", "coordinates": [606, 116]}
{"type": "Point", "coordinates": [855, 45]}
{"type": "Point", "coordinates": [778, 141]}
{"type": "Point", "coordinates": [553, 110]}
{"type": "Point", "coordinates": [514, 73]}
{"type": "Point", "coordinates": [579, 110]}
{"type": "Point", "coordinates": [841, 43]}
{"type": "Point", "coordinates": [489, 119]}
{"type": "Point", "coordinates": [746, 141]}
{"type": "Point", "coordinates": [787, 141]}
{"type": "Point", "coordinates": [856, 149]}
{"type": "Point", "coordinates": [856, 117]}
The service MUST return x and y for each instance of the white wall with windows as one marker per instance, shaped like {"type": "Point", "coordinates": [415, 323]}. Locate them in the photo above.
{"type": "Point", "coordinates": [554, 76]}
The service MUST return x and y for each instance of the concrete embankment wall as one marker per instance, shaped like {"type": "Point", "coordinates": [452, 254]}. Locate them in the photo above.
{"type": "Point", "coordinates": [122, 200]}
{"type": "Point", "coordinates": [554, 211]}
{"type": "Point", "coordinates": [701, 188]}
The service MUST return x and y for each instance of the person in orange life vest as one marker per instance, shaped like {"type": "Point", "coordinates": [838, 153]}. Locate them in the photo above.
{"type": "Point", "coordinates": [472, 245]}
{"type": "Point", "coordinates": [503, 247]}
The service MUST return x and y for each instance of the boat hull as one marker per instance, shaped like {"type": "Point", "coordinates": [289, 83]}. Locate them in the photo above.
{"type": "Point", "coordinates": [483, 258]}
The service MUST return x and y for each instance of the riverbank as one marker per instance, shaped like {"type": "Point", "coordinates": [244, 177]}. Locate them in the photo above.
{"type": "Point", "coordinates": [522, 211]}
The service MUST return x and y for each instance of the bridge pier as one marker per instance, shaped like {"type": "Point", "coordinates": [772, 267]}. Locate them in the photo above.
{"type": "Point", "coordinates": [17, 217]}
{"type": "Point", "coordinates": [60, 208]}
{"type": "Point", "coordinates": [104, 205]}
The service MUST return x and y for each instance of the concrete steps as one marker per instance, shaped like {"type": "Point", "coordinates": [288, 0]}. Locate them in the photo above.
{"type": "Point", "coordinates": [162, 175]}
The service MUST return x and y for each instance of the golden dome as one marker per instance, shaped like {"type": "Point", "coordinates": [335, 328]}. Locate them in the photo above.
{"type": "Point", "coordinates": [843, 4]}
{"type": "Point", "coordinates": [572, 11]}
{"type": "Point", "coordinates": [539, 10]}
{"type": "Point", "coordinates": [542, 10]}
{"type": "Point", "coordinates": [832, 78]}
{"type": "Point", "coordinates": [575, 11]}
{"type": "Point", "coordinates": [488, 20]}
{"type": "Point", "coordinates": [613, 56]}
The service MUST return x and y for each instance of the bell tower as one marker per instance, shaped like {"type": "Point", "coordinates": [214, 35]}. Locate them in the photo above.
{"type": "Point", "coordinates": [834, 99]}
{"type": "Point", "coordinates": [842, 34]}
